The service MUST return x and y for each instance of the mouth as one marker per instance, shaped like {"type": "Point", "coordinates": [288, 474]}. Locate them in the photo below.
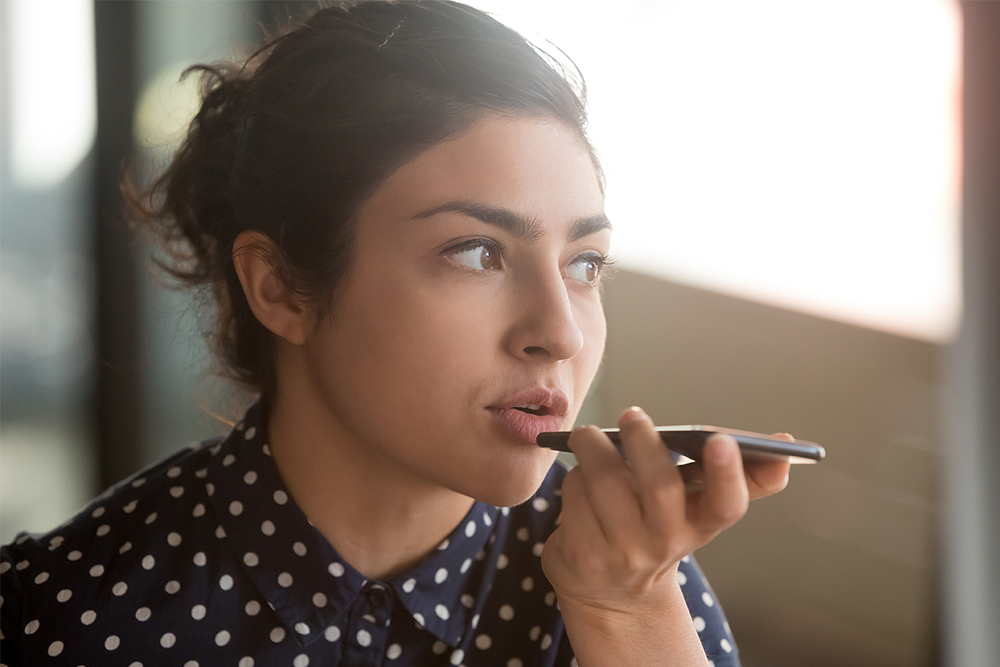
{"type": "Point", "coordinates": [532, 412]}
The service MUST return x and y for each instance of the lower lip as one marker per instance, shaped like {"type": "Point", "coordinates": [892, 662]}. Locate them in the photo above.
{"type": "Point", "coordinates": [524, 425]}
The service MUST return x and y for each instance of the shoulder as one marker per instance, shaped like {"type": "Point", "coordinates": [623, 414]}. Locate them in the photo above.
{"type": "Point", "coordinates": [91, 557]}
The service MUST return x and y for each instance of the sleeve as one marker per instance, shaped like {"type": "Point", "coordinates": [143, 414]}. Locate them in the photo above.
{"type": "Point", "coordinates": [10, 611]}
{"type": "Point", "coordinates": [706, 612]}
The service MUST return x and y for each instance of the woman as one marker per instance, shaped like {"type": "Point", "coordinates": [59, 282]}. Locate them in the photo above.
{"type": "Point", "coordinates": [401, 220]}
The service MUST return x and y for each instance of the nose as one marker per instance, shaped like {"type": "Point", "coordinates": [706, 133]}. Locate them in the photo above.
{"type": "Point", "coordinates": [545, 325]}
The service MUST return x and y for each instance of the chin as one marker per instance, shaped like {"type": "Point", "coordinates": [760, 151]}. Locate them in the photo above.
{"type": "Point", "coordinates": [514, 485]}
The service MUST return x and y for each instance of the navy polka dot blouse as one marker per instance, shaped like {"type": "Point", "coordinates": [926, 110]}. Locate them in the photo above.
{"type": "Point", "coordinates": [205, 559]}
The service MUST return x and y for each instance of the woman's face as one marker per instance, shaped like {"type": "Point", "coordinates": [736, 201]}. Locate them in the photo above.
{"type": "Point", "coordinates": [471, 319]}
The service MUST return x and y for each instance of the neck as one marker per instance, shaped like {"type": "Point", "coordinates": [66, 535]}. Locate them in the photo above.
{"type": "Point", "coordinates": [379, 517]}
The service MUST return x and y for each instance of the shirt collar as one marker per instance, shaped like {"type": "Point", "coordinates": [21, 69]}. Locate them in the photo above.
{"type": "Point", "coordinates": [299, 573]}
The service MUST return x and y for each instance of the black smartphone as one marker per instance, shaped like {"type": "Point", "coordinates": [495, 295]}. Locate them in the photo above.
{"type": "Point", "coordinates": [686, 442]}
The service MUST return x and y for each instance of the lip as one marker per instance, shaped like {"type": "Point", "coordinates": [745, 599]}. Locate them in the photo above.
{"type": "Point", "coordinates": [527, 426]}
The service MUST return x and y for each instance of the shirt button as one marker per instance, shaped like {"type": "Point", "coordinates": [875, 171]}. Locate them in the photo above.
{"type": "Point", "coordinates": [377, 596]}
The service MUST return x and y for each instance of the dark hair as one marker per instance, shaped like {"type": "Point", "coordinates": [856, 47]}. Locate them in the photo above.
{"type": "Point", "coordinates": [292, 142]}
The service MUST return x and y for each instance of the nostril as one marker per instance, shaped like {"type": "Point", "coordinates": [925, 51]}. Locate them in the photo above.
{"type": "Point", "coordinates": [534, 349]}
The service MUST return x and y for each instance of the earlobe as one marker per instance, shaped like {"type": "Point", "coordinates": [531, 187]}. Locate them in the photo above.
{"type": "Point", "coordinates": [272, 303]}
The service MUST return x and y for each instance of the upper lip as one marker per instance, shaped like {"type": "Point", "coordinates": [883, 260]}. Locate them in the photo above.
{"type": "Point", "coordinates": [549, 401]}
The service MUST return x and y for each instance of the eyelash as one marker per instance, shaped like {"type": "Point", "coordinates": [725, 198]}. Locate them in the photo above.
{"type": "Point", "coordinates": [604, 262]}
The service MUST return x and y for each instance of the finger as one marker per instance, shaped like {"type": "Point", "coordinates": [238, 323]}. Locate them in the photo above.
{"type": "Point", "coordinates": [578, 522]}
{"type": "Point", "coordinates": [659, 483]}
{"type": "Point", "coordinates": [725, 498]}
{"type": "Point", "coordinates": [607, 481]}
{"type": "Point", "coordinates": [765, 478]}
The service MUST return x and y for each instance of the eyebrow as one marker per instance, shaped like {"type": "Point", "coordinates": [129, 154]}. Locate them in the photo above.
{"type": "Point", "coordinates": [520, 227]}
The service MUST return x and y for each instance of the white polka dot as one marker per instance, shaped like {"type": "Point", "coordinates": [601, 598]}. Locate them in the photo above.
{"type": "Point", "coordinates": [527, 584]}
{"type": "Point", "coordinates": [142, 614]}
{"type": "Point", "coordinates": [364, 638]}
{"type": "Point", "coordinates": [119, 588]}
{"type": "Point", "coordinates": [148, 562]}
{"type": "Point", "coordinates": [466, 564]}
{"type": "Point", "coordinates": [266, 449]}
{"type": "Point", "coordinates": [681, 578]}
{"type": "Point", "coordinates": [502, 561]}
{"type": "Point", "coordinates": [225, 582]}
{"type": "Point", "coordinates": [4, 567]}
{"type": "Point", "coordinates": [222, 638]}
{"type": "Point", "coordinates": [251, 433]}
{"type": "Point", "coordinates": [168, 639]}
{"type": "Point", "coordinates": [332, 633]}
{"type": "Point", "coordinates": [686, 559]}
{"type": "Point", "coordinates": [198, 612]}
{"type": "Point", "coordinates": [337, 570]}
{"type": "Point", "coordinates": [151, 518]}
{"type": "Point", "coordinates": [191, 663]}
{"type": "Point", "coordinates": [319, 600]}
{"type": "Point", "coordinates": [172, 586]}
{"type": "Point", "coordinates": [177, 491]}
{"type": "Point", "coordinates": [73, 555]}
{"type": "Point", "coordinates": [210, 488]}
{"type": "Point", "coordinates": [540, 504]}
{"type": "Point", "coordinates": [440, 575]}
{"type": "Point", "coordinates": [301, 660]}
{"type": "Point", "coordinates": [550, 598]}
{"type": "Point", "coordinates": [699, 623]}
{"type": "Point", "coordinates": [299, 549]}
{"type": "Point", "coordinates": [55, 648]}
{"type": "Point", "coordinates": [443, 545]}
{"type": "Point", "coordinates": [475, 621]}
{"type": "Point", "coordinates": [201, 473]}
{"type": "Point", "coordinates": [470, 529]}
{"type": "Point", "coordinates": [245, 661]}
{"type": "Point", "coordinates": [514, 662]}
{"type": "Point", "coordinates": [546, 642]}
{"type": "Point", "coordinates": [726, 646]}
{"type": "Point", "coordinates": [250, 559]}
{"type": "Point", "coordinates": [439, 648]}
{"type": "Point", "coordinates": [280, 497]}
{"type": "Point", "coordinates": [173, 539]}
{"type": "Point", "coordinates": [199, 510]}
{"type": "Point", "coordinates": [457, 656]}
{"type": "Point", "coordinates": [88, 617]}
{"type": "Point", "coordinates": [97, 570]}
{"type": "Point", "coordinates": [506, 612]}
{"type": "Point", "coordinates": [302, 628]}
{"type": "Point", "coordinates": [112, 642]}
{"type": "Point", "coordinates": [236, 508]}
{"type": "Point", "coordinates": [487, 520]}
{"type": "Point", "coordinates": [441, 611]}
{"type": "Point", "coordinates": [128, 509]}
{"type": "Point", "coordinates": [252, 608]}
{"type": "Point", "coordinates": [31, 627]}
{"type": "Point", "coordinates": [483, 642]}
{"type": "Point", "coordinates": [267, 528]}
{"type": "Point", "coordinates": [250, 477]}
{"type": "Point", "coordinates": [409, 585]}
{"type": "Point", "coordinates": [419, 618]}
{"type": "Point", "coordinates": [220, 532]}
{"type": "Point", "coordinates": [64, 594]}
{"type": "Point", "coordinates": [199, 559]}
{"type": "Point", "coordinates": [174, 472]}
{"type": "Point", "coordinates": [103, 530]}
{"type": "Point", "coordinates": [277, 635]}
{"type": "Point", "coordinates": [42, 577]}
{"type": "Point", "coordinates": [523, 534]}
{"type": "Point", "coordinates": [125, 547]}
{"type": "Point", "coordinates": [139, 482]}
{"type": "Point", "coordinates": [228, 460]}
{"type": "Point", "coordinates": [285, 580]}
{"type": "Point", "coordinates": [394, 651]}
{"type": "Point", "coordinates": [135, 664]}
{"type": "Point", "coordinates": [468, 601]}
{"type": "Point", "coordinates": [538, 548]}
{"type": "Point", "coordinates": [707, 599]}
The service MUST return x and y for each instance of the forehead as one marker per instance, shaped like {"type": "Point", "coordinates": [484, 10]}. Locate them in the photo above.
{"type": "Point", "coordinates": [537, 167]}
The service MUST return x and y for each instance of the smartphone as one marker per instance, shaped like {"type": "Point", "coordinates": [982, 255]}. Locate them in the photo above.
{"type": "Point", "coordinates": [686, 443]}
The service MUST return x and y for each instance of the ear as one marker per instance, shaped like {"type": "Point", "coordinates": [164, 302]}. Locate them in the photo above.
{"type": "Point", "coordinates": [272, 303]}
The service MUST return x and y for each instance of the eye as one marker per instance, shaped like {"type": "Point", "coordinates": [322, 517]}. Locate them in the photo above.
{"type": "Point", "coordinates": [587, 268]}
{"type": "Point", "coordinates": [478, 254]}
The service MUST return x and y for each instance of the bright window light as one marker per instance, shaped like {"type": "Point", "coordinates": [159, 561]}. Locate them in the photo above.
{"type": "Point", "coordinates": [801, 154]}
{"type": "Point", "coordinates": [53, 96]}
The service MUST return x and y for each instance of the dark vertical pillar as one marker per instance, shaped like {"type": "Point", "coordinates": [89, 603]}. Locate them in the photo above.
{"type": "Point", "coordinates": [118, 399]}
{"type": "Point", "coordinates": [972, 437]}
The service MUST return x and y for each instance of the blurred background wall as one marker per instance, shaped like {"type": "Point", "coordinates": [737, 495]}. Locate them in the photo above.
{"type": "Point", "coordinates": [784, 181]}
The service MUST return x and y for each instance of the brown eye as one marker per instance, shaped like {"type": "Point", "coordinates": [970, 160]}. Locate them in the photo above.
{"type": "Point", "coordinates": [481, 257]}
{"type": "Point", "coordinates": [586, 269]}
